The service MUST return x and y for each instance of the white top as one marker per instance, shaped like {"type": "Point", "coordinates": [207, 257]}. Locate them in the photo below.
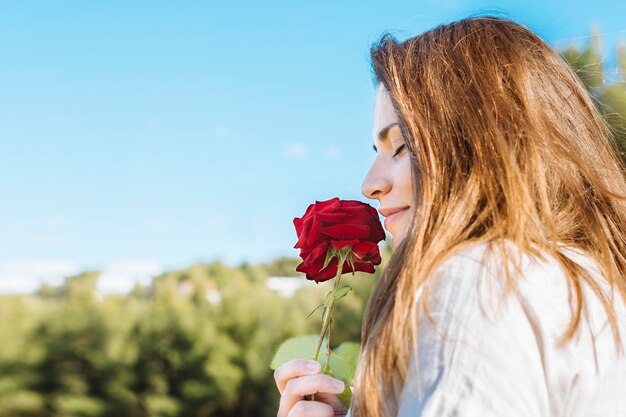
{"type": "Point", "coordinates": [505, 362]}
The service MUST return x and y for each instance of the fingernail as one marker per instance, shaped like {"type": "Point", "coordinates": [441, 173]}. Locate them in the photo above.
{"type": "Point", "coordinates": [338, 384]}
{"type": "Point", "coordinates": [313, 366]}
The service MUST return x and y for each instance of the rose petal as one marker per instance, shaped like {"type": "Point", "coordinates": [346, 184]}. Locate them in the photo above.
{"type": "Point", "coordinates": [327, 205]}
{"type": "Point", "coordinates": [331, 217]}
{"type": "Point", "coordinates": [364, 247]}
{"type": "Point", "coordinates": [316, 256]}
{"type": "Point", "coordinates": [339, 223]}
{"type": "Point", "coordinates": [364, 267]}
{"type": "Point", "coordinates": [309, 211]}
{"type": "Point", "coordinates": [313, 234]}
{"type": "Point", "coordinates": [304, 232]}
{"type": "Point", "coordinates": [327, 273]}
{"type": "Point", "coordinates": [341, 243]}
{"type": "Point", "coordinates": [340, 231]}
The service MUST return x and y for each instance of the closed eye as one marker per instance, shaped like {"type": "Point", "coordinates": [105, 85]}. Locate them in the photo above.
{"type": "Point", "coordinates": [399, 150]}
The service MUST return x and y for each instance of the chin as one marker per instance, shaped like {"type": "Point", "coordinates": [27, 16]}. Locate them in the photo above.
{"type": "Point", "coordinates": [395, 241]}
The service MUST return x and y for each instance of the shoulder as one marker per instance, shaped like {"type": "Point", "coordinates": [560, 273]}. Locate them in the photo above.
{"type": "Point", "coordinates": [492, 257]}
{"type": "Point", "coordinates": [479, 271]}
{"type": "Point", "coordinates": [487, 273]}
{"type": "Point", "coordinates": [488, 339]}
{"type": "Point", "coordinates": [505, 282]}
{"type": "Point", "coordinates": [502, 264]}
{"type": "Point", "coordinates": [496, 283]}
{"type": "Point", "coordinates": [480, 352]}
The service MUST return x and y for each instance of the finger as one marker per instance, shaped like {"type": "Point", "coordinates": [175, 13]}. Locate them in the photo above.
{"type": "Point", "coordinates": [311, 409]}
{"type": "Point", "coordinates": [292, 369]}
{"type": "Point", "coordinates": [298, 387]}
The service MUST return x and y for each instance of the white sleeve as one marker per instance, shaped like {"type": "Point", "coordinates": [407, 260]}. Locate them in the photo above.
{"type": "Point", "coordinates": [491, 361]}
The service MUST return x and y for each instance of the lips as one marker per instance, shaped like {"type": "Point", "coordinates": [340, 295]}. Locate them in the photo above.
{"type": "Point", "coordinates": [386, 212]}
{"type": "Point", "coordinates": [391, 214]}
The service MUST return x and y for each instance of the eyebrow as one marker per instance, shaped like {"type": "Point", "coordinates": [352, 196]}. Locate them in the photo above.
{"type": "Point", "coordinates": [382, 135]}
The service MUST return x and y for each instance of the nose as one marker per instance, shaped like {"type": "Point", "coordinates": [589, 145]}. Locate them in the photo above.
{"type": "Point", "coordinates": [375, 185]}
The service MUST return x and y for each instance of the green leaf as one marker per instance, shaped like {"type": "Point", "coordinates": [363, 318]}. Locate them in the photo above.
{"type": "Point", "coordinates": [322, 358]}
{"type": "Point", "coordinates": [346, 396]}
{"type": "Point", "coordinates": [344, 360]}
{"type": "Point", "coordinates": [331, 252]}
{"type": "Point", "coordinates": [327, 299]}
{"type": "Point", "coordinates": [314, 310]}
{"type": "Point", "coordinates": [350, 261]}
{"type": "Point", "coordinates": [344, 252]}
{"type": "Point", "coordinates": [299, 347]}
{"type": "Point", "coordinates": [341, 292]}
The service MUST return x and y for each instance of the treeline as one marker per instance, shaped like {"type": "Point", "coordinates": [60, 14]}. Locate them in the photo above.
{"type": "Point", "coordinates": [197, 342]}
{"type": "Point", "coordinates": [609, 95]}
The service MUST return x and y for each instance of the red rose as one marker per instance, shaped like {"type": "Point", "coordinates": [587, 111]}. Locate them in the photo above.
{"type": "Point", "coordinates": [338, 223]}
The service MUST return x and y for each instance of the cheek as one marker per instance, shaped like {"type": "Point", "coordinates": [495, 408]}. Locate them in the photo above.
{"type": "Point", "coordinates": [405, 178]}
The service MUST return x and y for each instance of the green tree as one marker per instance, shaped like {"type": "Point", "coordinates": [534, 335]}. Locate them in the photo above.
{"type": "Point", "coordinates": [609, 97]}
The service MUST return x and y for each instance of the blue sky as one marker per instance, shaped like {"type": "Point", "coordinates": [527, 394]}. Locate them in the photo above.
{"type": "Point", "coordinates": [158, 134]}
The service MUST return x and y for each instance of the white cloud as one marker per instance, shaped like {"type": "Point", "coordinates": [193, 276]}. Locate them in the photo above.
{"type": "Point", "coordinates": [27, 276]}
{"type": "Point", "coordinates": [331, 153]}
{"type": "Point", "coordinates": [163, 223]}
{"type": "Point", "coordinates": [118, 277]}
{"type": "Point", "coordinates": [295, 150]}
{"type": "Point", "coordinates": [121, 276]}
{"type": "Point", "coordinates": [220, 130]}
{"type": "Point", "coordinates": [52, 221]}
{"type": "Point", "coordinates": [217, 224]}
{"type": "Point", "coordinates": [18, 284]}
{"type": "Point", "coordinates": [299, 150]}
{"type": "Point", "coordinates": [46, 240]}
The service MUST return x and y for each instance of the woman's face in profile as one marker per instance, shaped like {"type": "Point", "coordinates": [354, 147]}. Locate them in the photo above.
{"type": "Point", "coordinates": [389, 179]}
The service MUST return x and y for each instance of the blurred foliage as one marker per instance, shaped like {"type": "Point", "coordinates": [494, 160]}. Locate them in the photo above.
{"type": "Point", "coordinates": [170, 349]}
{"type": "Point", "coordinates": [609, 95]}
{"type": "Point", "coordinates": [164, 350]}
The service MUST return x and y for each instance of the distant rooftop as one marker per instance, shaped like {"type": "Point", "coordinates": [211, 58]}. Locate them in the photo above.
{"type": "Point", "coordinates": [287, 286]}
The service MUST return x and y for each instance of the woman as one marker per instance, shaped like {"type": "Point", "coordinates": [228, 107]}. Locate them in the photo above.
{"type": "Point", "coordinates": [505, 294]}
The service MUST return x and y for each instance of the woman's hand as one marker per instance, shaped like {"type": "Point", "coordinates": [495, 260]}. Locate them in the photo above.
{"type": "Point", "coordinates": [295, 379]}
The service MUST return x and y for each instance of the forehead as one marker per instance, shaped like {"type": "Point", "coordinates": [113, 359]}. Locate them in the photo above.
{"type": "Point", "coordinates": [384, 113]}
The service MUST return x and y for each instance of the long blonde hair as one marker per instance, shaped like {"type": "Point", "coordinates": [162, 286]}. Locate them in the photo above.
{"type": "Point", "coordinates": [505, 145]}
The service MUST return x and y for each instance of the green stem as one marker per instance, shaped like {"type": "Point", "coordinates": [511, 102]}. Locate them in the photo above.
{"type": "Point", "coordinates": [330, 325]}
{"type": "Point", "coordinates": [326, 322]}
